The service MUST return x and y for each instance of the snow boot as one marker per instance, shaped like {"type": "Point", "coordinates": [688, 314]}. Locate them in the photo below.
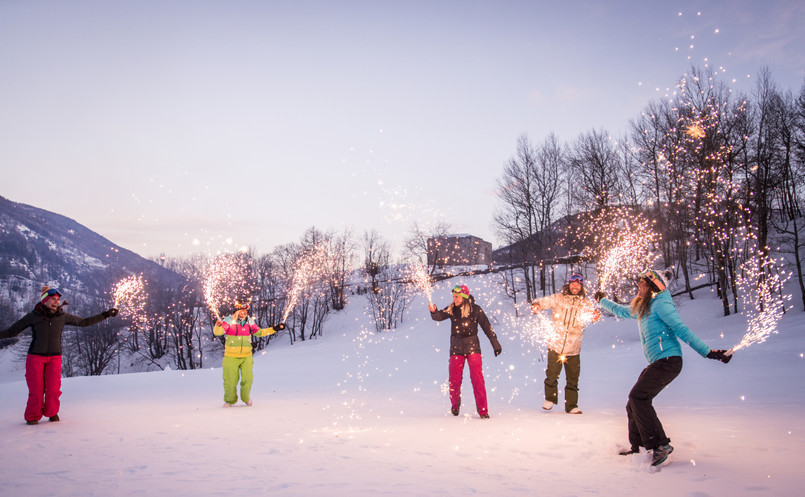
{"type": "Point", "coordinates": [548, 405]}
{"type": "Point", "coordinates": [55, 417]}
{"type": "Point", "coordinates": [575, 410]}
{"type": "Point", "coordinates": [629, 452]}
{"type": "Point", "coordinates": [661, 453]}
{"type": "Point", "coordinates": [484, 416]}
{"type": "Point", "coordinates": [32, 422]}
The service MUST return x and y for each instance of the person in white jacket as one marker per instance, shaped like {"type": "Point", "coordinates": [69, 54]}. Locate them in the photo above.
{"type": "Point", "coordinates": [571, 313]}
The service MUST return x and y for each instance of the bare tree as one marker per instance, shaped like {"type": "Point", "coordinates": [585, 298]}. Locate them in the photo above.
{"type": "Point", "coordinates": [596, 166]}
{"type": "Point", "coordinates": [340, 259]}
{"type": "Point", "coordinates": [376, 257]}
{"type": "Point", "coordinates": [416, 245]}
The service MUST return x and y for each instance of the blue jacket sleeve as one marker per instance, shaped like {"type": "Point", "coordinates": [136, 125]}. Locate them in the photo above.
{"type": "Point", "coordinates": [621, 311]}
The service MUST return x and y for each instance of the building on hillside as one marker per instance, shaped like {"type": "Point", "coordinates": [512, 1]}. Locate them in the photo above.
{"type": "Point", "coordinates": [458, 250]}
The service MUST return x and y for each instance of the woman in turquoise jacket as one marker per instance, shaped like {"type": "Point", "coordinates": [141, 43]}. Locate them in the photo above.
{"type": "Point", "coordinates": [660, 329]}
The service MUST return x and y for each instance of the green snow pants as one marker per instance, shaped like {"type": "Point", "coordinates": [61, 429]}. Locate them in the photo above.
{"type": "Point", "coordinates": [238, 368]}
{"type": "Point", "coordinates": [572, 366]}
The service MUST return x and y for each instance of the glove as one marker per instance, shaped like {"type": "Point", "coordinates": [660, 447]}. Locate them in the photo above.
{"type": "Point", "coordinates": [498, 350]}
{"type": "Point", "coordinates": [110, 313]}
{"type": "Point", "coordinates": [535, 307]}
{"type": "Point", "coordinates": [719, 355]}
{"type": "Point", "coordinates": [279, 327]}
{"type": "Point", "coordinates": [599, 295]}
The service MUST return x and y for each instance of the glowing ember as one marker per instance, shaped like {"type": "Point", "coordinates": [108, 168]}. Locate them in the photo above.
{"type": "Point", "coordinates": [695, 130]}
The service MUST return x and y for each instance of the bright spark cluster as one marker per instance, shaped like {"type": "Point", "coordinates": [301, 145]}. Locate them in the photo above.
{"type": "Point", "coordinates": [761, 284]}
{"type": "Point", "coordinates": [131, 297]}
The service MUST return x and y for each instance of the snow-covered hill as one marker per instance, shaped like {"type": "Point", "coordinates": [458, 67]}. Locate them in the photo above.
{"type": "Point", "coordinates": [40, 247]}
{"type": "Point", "coordinates": [356, 413]}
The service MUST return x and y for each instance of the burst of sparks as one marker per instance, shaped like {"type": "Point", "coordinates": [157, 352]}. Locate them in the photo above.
{"type": "Point", "coordinates": [761, 283]}
{"type": "Point", "coordinates": [541, 330]}
{"type": "Point", "coordinates": [224, 279]}
{"type": "Point", "coordinates": [419, 274]}
{"type": "Point", "coordinates": [131, 297]}
{"type": "Point", "coordinates": [308, 268]}
{"type": "Point", "coordinates": [695, 130]}
{"type": "Point", "coordinates": [622, 243]}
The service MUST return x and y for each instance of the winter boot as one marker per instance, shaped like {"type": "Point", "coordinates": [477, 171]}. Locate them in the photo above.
{"type": "Point", "coordinates": [575, 410]}
{"type": "Point", "coordinates": [32, 422]}
{"type": "Point", "coordinates": [484, 416]}
{"type": "Point", "coordinates": [548, 405]}
{"type": "Point", "coordinates": [629, 452]}
{"type": "Point", "coordinates": [55, 417]}
{"type": "Point", "coordinates": [661, 453]}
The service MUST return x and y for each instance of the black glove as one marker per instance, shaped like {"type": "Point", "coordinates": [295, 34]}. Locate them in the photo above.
{"type": "Point", "coordinates": [719, 355]}
{"type": "Point", "coordinates": [279, 327]}
{"type": "Point", "coordinates": [498, 350]}
{"type": "Point", "coordinates": [110, 313]}
{"type": "Point", "coordinates": [599, 295]}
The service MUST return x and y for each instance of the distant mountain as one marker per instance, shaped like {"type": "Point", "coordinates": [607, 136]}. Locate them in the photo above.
{"type": "Point", "coordinates": [38, 247]}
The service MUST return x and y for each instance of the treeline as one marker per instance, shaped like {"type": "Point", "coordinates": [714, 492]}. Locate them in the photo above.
{"type": "Point", "coordinates": [168, 324]}
{"type": "Point", "coordinates": [720, 174]}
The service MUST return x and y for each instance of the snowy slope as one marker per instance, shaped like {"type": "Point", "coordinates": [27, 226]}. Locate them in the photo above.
{"type": "Point", "coordinates": [357, 413]}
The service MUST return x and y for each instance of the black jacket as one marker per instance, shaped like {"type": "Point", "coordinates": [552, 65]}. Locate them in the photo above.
{"type": "Point", "coordinates": [464, 330]}
{"type": "Point", "coordinates": [46, 328]}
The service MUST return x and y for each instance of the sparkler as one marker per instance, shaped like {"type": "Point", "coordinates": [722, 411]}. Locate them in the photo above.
{"type": "Point", "coordinates": [764, 301]}
{"type": "Point", "coordinates": [130, 297]}
{"type": "Point", "coordinates": [308, 268]}
{"type": "Point", "coordinates": [541, 330]}
{"type": "Point", "coordinates": [621, 242]}
{"type": "Point", "coordinates": [226, 278]}
{"type": "Point", "coordinates": [421, 278]}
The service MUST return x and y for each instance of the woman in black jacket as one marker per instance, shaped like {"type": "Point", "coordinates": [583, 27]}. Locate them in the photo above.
{"type": "Point", "coordinates": [43, 364]}
{"type": "Point", "coordinates": [465, 316]}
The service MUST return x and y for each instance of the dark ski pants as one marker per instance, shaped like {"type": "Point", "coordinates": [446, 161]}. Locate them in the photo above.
{"type": "Point", "coordinates": [43, 375]}
{"type": "Point", "coordinates": [645, 428]}
{"type": "Point", "coordinates": [572, 365]}
{"type": "Point", "coordinates": [456, 373]}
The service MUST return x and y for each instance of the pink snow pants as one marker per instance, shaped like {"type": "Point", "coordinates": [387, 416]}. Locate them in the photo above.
{"type": "Point", "coordinates": [43, 374]}
{"type": "Point", "coordinates": [456, 370]}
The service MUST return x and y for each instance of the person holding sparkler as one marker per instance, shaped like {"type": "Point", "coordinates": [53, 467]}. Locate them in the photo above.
{"type": "Point", "coordinates": [43, 363]}
{"type": "Point", "coordinates": [238, 361]}
{"type": "Point", "coordinates": [465, 317]}
{"type": "Point", "coordinates": [570, 312]}
{"type": "Point", "coordinates": [660, 329]}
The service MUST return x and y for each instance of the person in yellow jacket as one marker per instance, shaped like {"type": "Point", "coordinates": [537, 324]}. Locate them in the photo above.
{"type": "Point", "coordinates": [571, 312]}
{"type": "Point", "coordinates": [238, 361]}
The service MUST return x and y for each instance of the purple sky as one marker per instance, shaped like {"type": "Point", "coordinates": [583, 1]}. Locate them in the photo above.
{"type": "Point", "coordinates": [183, 127]}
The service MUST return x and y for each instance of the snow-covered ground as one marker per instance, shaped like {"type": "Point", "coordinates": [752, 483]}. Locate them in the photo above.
{"type": "Point", "coordinates": [357, 413]}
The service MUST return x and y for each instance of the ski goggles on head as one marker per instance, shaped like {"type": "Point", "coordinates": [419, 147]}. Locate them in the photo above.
{"type": "Point", "coordinates": [240, 306]}
{"type": "Point", "coordinates": [50, 292]}
{"type": "Point", "coordinates": [462, 291]}
{"type": "Point", "coordinates": [653, 278]}
{"type": "Point", "coordinates": [577, 278]}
